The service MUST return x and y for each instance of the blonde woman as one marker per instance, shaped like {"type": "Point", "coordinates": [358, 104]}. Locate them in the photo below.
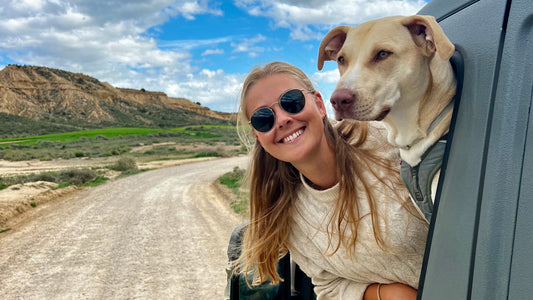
{"type": "Point", "coordinates": [331, 196]}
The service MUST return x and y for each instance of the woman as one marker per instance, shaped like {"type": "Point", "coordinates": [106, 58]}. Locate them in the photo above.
{"type": "Point", "coordinates": [330, 196]}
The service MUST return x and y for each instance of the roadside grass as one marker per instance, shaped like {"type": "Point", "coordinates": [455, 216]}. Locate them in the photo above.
{"type": "Point", "coordinates": [119, 141]}
{"type": "Point", "coordinates": [233, 181]}
{"type": "Point", "coordinates": [197, 131]}
{"type": "Point", "coordinates": [98, 180]}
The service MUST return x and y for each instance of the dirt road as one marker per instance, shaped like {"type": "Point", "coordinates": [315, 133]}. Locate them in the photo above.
{"type": "Point", "coordinates": [161, 234]}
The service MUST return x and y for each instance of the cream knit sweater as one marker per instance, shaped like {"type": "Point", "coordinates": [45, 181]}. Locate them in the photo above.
{"type": "Point", "coordinates": [339, 277]}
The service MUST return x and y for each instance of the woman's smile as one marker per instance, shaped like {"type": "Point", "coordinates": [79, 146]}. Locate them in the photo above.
{"type": "Point", "coordinates": [291, 137]}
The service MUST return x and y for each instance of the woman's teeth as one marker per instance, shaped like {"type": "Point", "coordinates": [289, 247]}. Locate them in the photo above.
{"type": "Point", "coordinates": [293, 136]}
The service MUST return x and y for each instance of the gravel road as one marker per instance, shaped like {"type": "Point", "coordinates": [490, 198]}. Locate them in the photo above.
{"type": "Point", "coordinates": [161, 234]}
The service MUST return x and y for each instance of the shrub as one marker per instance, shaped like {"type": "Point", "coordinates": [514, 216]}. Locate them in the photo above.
{"type": "Point", "coordinates": [77, 176]}
{"type": "Point", "coordinates": [45, 157]}
{"type": "Point", "coordinates": [50, 177]}
{"type": "Point", "coordinates": [124, 164]}
{"type": "Point", "coordinates": [63, 178]}
{"type": "Point", "coordinates": [207, 154]}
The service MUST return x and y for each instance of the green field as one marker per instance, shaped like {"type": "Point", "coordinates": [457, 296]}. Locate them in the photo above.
{"type": "Point", "coordinates": [193, 131]}
{"type": "Point", "coordinates": [185, 142]}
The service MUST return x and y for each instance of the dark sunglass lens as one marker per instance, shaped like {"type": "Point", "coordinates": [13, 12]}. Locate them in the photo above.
{"type": "Point", "coordinates": [292, 101]}
{"type": "Point", "coordinates": [262, 119]}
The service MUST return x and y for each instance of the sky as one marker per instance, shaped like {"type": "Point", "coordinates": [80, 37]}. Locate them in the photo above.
{"type": "Point", "coordinates": [198, 50]}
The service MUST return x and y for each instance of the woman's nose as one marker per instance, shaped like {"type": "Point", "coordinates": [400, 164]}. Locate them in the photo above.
{"type": "Point", "coordinates": [283, 118]}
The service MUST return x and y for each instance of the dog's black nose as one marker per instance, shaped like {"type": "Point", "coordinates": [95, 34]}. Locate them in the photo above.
{"type": "Point", "coordinates": [343, 99]}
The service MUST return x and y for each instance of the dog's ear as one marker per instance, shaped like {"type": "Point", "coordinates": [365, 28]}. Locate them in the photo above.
{"type": "Point", "coordinates": [331, 44]}
{"type": "Point", "coordinates": [429, 36]}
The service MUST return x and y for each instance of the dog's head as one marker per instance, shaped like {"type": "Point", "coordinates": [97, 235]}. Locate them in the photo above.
{"type": "Point", "coordinates": [385, 64]}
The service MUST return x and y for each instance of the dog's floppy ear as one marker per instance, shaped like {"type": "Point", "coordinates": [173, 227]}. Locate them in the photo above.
{"type": "Point", "coordinates": [331, 44]}
{"type": "Point", "coordinates": [428, 35]}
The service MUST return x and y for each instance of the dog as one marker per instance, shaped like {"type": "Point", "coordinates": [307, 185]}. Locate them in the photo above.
{"type": "Point", "coordinates": [396, 70]}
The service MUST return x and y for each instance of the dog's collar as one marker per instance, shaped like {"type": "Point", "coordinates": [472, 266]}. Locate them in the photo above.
{"type": "Point", "coordinates": [433, 124]}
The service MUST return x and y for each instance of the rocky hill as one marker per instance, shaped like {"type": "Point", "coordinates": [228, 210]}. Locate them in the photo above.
{"type": "Point", "coordinates": [57, 100]}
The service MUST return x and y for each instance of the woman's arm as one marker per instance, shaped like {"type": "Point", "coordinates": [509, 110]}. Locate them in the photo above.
{"type": "Point", "coordinates": [331, 287]}
{"type": "Point", "coordinates": [393, 291]}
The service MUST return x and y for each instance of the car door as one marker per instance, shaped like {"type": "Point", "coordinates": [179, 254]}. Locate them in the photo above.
{"type": "Point", "coordinates": [480, 241]}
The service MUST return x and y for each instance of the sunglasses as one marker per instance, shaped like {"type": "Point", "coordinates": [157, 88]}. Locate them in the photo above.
{"type": "Point", "coordinates": [292, 102]}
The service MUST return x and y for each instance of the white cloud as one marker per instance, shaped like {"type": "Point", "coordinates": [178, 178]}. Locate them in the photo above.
{"type": "Point", "coordinates": [190, 44]}
{"type": "Point", "coordinates": [304, 33]}
{"type": "Point", "coordinates": [249, 45]}
{"type": "Point", "coordinates": [188, 9]}
{"type": "Point", "coordinates": [212, 52]}
{"type": "Point", "coordinates": [331, 76]}
{"type": "Point", "coordinates": [307, 18]}
{"type": "Point", "coordinates": [34, 5]}
{"type": "Point", "coordinates": [216, 89]}
{"type": "Point", "coordinates": [325, 82]}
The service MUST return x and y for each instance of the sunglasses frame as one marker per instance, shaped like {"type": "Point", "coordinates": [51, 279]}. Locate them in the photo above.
{"type": "Point", "coordinates": [279, 103]}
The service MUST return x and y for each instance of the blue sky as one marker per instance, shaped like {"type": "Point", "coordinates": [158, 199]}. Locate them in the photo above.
{"type": "Point", "coordinates": [199, 50]}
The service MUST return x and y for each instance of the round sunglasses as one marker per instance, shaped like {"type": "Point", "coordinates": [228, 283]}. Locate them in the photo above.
{"type": "Point", "coordinates": [292, 102]}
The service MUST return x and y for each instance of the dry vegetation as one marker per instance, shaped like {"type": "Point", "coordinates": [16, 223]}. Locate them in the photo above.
{"type": "Point", "coordinates": [34, 174]}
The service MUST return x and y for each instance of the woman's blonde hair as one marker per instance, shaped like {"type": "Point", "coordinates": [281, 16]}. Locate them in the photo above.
{"type": "Point", "coordinates": [273, 186]}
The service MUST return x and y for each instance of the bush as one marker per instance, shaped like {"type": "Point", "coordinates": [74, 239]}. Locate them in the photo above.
{"type": "Point", "coordinates": [78, 176]}
{"type": "Point", "coordinates": [63, 178]}
{"type": "Point", "coordinates": [124, 164]}
{"type": "Point", "coordinates": [207, 154]}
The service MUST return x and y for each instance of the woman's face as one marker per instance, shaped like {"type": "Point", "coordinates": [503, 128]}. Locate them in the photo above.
{"type": "Point", "coordinates": [295, 137]}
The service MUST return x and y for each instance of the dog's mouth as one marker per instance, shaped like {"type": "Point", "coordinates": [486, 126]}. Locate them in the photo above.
{"type": "Point", "coordinates": [383, 114]}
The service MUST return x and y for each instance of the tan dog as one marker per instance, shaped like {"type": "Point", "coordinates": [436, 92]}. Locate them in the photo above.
{"type": "Point", "coordinates": [394, 70]}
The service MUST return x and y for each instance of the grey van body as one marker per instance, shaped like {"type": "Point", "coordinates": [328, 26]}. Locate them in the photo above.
{"type": "Point", "coordinates": [481, 236]}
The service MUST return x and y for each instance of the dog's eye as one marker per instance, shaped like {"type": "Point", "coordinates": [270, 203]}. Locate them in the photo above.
{"type": "Point", "coordinates": [340, 60]}
{"type": "Point", "coordinates": [382, 55]}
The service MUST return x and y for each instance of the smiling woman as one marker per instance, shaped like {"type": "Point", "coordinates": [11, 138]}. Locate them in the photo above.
{"type": "Point", "coordinates": [329, 195]}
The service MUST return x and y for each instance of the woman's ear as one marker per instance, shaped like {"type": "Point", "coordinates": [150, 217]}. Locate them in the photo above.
{"type": "Point", "coordinates": [256, 137]}
{"type": "Point", "coordinates": [320, 104]}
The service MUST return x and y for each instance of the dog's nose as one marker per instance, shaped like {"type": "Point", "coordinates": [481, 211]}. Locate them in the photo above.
{"type": "Point", "coordinates": [343, 99]}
